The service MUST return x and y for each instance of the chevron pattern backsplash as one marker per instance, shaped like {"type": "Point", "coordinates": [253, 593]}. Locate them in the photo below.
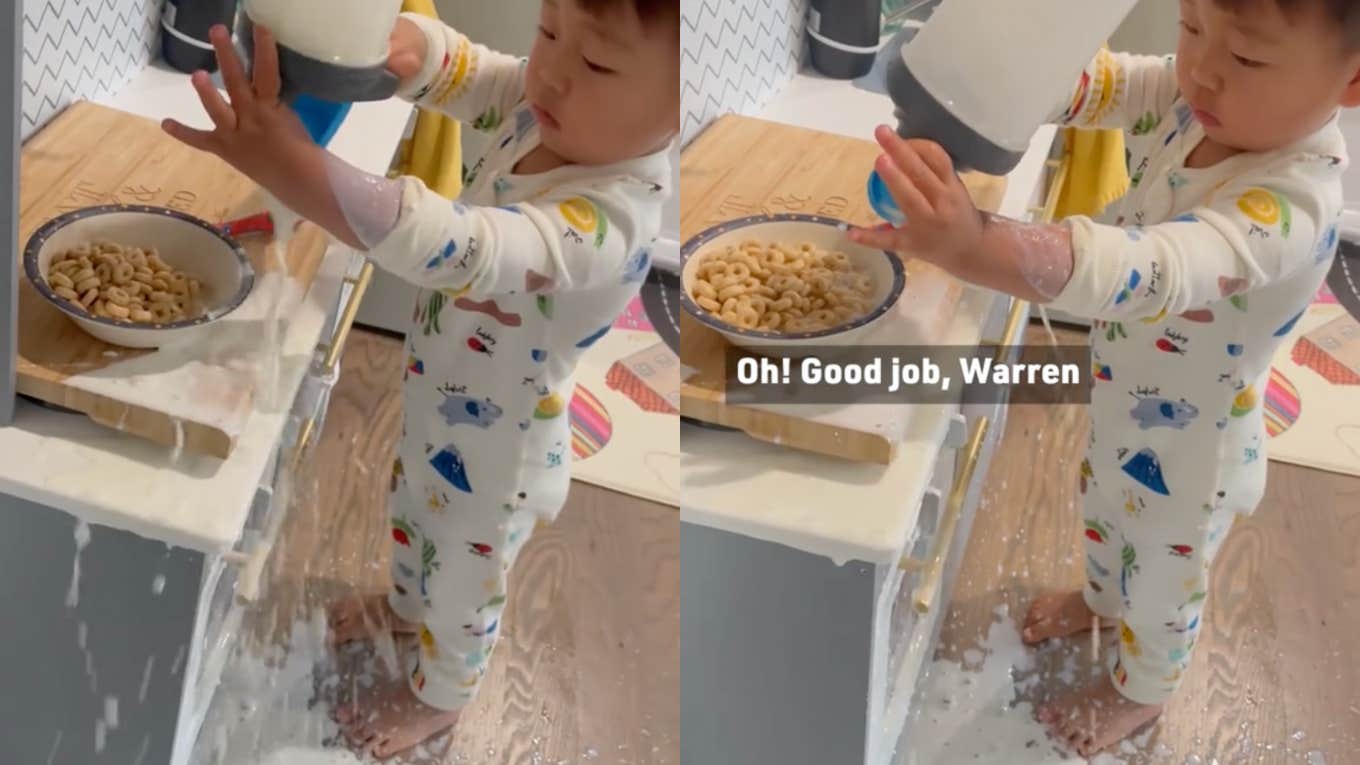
{"type": "Point", "coordinates": [735, 55]}
{"type": "Point", "coordinates": [75, 49]}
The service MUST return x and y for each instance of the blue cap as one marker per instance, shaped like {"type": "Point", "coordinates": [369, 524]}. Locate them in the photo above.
{"type": "Point", "coordinates": [882, 202]}
{"type": "Point", "coordinates": [321, 118]}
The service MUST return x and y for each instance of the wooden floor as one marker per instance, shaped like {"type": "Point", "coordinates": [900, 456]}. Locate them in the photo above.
{"type": "Point", "coordinates": [588, 665]}
{"type": "Point", "coordinates": [590, 658]}
{"type": "Point", "coordinates": [1281, 645]}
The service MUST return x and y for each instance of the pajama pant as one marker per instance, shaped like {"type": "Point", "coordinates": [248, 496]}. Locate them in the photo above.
{"type": "Point", "coordinates": [450, 562]}
{"type": "Point", "coordinates": [1147, 566]}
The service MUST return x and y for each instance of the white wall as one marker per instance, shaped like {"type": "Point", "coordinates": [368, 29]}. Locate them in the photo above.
{"type": "Point", "coordinates": [505, 25]}
{"type": "Point", "coordinates": [1350, 127]}
{"type": "Point", "coordinates": [1151, 27]}
{"type": "Point", "coordinates": [77, 49]}
{"type": "Point", "coordinates": [735, 55]}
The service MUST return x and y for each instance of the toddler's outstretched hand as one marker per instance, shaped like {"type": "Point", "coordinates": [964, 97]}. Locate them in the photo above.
{"type": "Point", "coordinates": [262, 137]}
{"type": "Point", "coordinates": [256, 132]}
{"type": "Point", "coordinates": [1032, 261]}
{"type": "Point", "coordinates": [943, 226]}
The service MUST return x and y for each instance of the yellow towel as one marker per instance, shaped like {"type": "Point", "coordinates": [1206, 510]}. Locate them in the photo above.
{"type": "Point", "coordinates": [1097, 172]}
{"type": "Point", "coordinates": [434, 151]}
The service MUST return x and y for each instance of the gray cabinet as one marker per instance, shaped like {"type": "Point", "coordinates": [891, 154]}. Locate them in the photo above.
{"type": "Point", "coordinates": [788, 658]}
{"type": "Point", "coordinates": [127, 675]}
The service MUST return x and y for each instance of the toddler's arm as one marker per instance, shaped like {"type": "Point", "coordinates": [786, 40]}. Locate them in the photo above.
{"type": "Point", "coordinates": [462, 79]}
{"type": "Point", "coordinates": [568, 239]}
{"type": "Point", "coordinates": [1121, 90]}
{"type": "Point", "coordinates": [1257, 229]}
{"type": "Point", "coordinates": [1260, 227]}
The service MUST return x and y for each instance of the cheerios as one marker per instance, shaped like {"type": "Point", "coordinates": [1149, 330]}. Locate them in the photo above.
{"type": "Point", "coordinates": [779, 287]}
{"type": "Point", "coordinates": [124, 283]}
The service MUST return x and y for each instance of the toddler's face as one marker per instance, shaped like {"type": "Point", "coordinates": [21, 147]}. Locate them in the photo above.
{"type": "Point", "coordinates": [605, 87]}
{"type": "Point", "coordinates": [1259, 80]}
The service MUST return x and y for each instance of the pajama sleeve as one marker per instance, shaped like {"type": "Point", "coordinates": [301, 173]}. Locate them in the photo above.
{"type": "Point", "coordinates": [466, 81]}
{"type": "Point", "coordinates": [1254, 230]}
{"type": "Point", "coordinates": [1122, 91]}
{"type": "Point", "coordinates": [565, 240]}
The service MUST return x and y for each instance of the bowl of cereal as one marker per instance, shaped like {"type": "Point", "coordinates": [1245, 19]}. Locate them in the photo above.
{"type": "Point", "coordinates": [787, 281]}
{"type": "Point", "coordinates": [138, 276]}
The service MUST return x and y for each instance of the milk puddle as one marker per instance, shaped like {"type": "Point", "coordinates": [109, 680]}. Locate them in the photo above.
{"type": "Point", "coordinates": [980, 710]}
{"type": "Point", "coordinates": [274, 704]}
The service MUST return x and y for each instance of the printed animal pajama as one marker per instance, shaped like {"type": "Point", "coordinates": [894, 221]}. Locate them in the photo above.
{"type": "Point", "coordinates": [513, 292]}
{"type": "Point", "coordinates": [1147, 569]}
{"type": "Point", "coordinates": [449, 569]}
{"type": "Point", "coordinates": [1204, 273]}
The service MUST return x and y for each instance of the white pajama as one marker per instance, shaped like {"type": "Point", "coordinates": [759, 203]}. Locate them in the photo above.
{"type": "Point", "coordinates": [1192, 292]}
{"type": "Point", "coordinates": [517, 279]}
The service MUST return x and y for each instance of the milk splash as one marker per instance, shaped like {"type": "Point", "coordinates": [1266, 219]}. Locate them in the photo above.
{"type": "Point", "coordinates": [82, 640]}
{"type": "Point", "coordinates": [273, 706]}
{"type": "Point", "coordinates": [178, 449]}
{"type": "Point", "coordinates": [82, 539]}
{"type": "Point", "coordinates": [975, 712]}
{"type": "Point", "coordinates": [108, 722]}
{"type": "Point", "coordinates": [282, 287]}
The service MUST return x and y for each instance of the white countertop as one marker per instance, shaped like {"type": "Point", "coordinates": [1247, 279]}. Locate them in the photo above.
{"type": "Point", "coordinates": [860, 511]}
{"type": "Point", "coordinates": [104, 477]}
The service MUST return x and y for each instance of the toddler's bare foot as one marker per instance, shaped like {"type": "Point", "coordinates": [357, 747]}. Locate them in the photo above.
{"type": "Point", "coordinates": [391, 723]}
{"type": "Point", "coordinates": [364, 618]}
{"type": "Point", "coordinates": [1059, 615]}
{"type": "Point", "coordinates": [1093, 719]}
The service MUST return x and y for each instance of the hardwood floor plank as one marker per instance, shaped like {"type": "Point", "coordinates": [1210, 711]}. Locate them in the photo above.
{"type": "Point", "coordinates": [1278, 652]}
{"type": "Point", "coordinates": [589, 653]}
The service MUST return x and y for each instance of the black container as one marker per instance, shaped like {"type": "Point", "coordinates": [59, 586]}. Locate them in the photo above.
{"type": "Point", "coordinates": [848, 23]}
{"type": "Point", "coordinates": [184, 27]}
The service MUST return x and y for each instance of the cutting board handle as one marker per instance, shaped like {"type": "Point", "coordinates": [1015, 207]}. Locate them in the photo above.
{"type": "Point", "coordinates": [261, 223]}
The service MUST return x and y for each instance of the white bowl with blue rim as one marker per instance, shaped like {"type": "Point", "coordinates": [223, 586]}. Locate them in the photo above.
{"type": "Point", "coordinates": [186, 243]}
{"type": "Point", "coordinates": [886, 274]}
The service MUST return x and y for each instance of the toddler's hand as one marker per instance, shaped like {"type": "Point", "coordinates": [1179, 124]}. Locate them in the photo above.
{"type": "Point", "coordinates": [406, 50]}
{"type": "Point", "coordinates": [943, 226]}
{"type": "Point", "coordinates": [263, 138]}
{"type": "Point", "coordinates": [256, 133]}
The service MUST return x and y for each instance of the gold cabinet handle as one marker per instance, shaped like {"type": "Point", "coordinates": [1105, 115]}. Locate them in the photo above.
{"type": "Point", "coordinates": [347, 316]}
{"type": "Point", "coordinates": [1019, 312]}
{"type": "Point", "coordinates": [933, 567]}
{"type": "Point", "coordinates": [304, 439]}
{"type": "Point", "coordinates": [334, 351]}
{"type": "Point", "coordinates": [1064, 168]}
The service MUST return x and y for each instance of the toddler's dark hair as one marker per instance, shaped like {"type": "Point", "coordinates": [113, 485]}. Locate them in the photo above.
{"type": "Point", "coordinates": [1344, 13]}
{"type": "Point", "coordinates": [649, 11]}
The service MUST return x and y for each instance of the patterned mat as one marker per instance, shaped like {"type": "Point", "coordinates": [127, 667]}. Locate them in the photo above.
{"type": "Point", "coordinates": [1313, 400]}
{"type": "Point", "coordinates": [625, 415]}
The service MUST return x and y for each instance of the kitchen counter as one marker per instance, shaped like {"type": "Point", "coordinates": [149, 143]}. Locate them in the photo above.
{"type": "Point", "coordinates": [788, 559]}
{"type": "Point", "coordinates": [69, 463]}
{"type": "Point", "coordinates": [151, 606]}
{"type": "Point", "coordinates": [766, 491]}
{"type": "Point", "coordinates": [737, 484]}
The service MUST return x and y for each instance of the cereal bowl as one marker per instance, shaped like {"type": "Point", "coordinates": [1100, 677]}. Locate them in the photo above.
{"type": "Point", "coordinates": [882, 270]}
{"type": "Point", "coordinates": [191, 248]}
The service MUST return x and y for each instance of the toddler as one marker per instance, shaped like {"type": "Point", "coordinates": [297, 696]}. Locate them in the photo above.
{"type": "Point", "coordinates": [546, 247]}
{"type": "Point", "coordinates": [1224, 238]}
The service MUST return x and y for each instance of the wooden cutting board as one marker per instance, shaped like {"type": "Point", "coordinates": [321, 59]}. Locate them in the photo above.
{"type": "Point", "coordinates": [743, 166]}
{"type": "Point", "coordinates": [93, 155]}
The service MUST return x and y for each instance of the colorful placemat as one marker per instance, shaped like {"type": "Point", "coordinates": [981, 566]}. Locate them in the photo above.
{"type": "Point", "coordinates": [625, 414]}
{"type": "Point", "coordinates": [1312, 404]}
